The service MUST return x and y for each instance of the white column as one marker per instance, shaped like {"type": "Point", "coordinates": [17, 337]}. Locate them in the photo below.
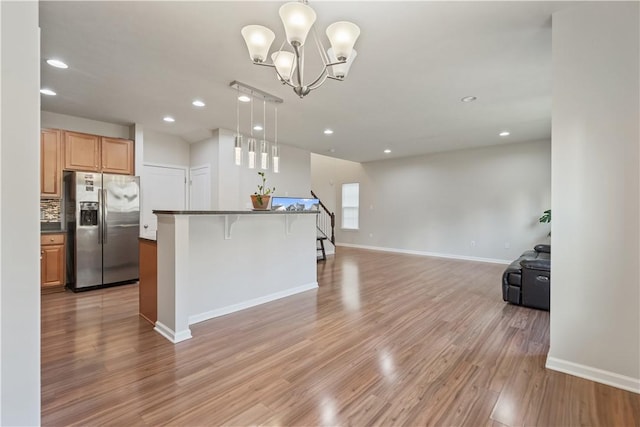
{"type": "Point", "coordinates": [173, 277]}
{"type": "Point", "coordinates": [19, 220]}
{"type": "Point", "coordinates": [595, 292]}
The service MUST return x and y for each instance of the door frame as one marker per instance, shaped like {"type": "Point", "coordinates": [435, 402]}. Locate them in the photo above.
{"type": "Point", "coordinates": [184, 169]}
{"type": "Point", "coordinates": [195, 168]}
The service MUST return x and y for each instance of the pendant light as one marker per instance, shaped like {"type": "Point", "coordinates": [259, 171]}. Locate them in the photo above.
{"type": "Point", "coordinates": [275, 154]}
{"type": "Point", "coordinates": [260, 153]}
{"type": "Point", "coordinates": [237, 149]}
{"type": "Point", "coordinates": [251, 150]}
{"type": "Point", "coordinates": [264, 145]}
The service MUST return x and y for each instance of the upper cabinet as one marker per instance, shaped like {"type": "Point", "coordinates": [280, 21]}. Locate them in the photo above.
{"type": "Point", "coordinates": [117, 156]}
{"type": "Point", "coordinates": [50, 163]}
{"type": "Point", "coordinates": [93, 153]}
{"type": "Point", "coordinates": [81, 152]}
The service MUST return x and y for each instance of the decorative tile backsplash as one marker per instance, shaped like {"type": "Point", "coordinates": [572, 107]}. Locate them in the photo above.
{"type": "Point", "coordinates": [50, 210]}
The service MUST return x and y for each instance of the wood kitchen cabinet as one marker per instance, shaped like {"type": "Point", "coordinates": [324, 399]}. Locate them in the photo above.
{"type": "Point", "coordinates": [117, 155]}
{"type": "Point", "coordinates": [52, 262]}
{"type": "Point", "coordinates": [94, 153]}
{"type": "Point", "coordinates": [50, 163]}
{"type": "Point", "coordinates": [81, 152]}
{"type": "Point", "coordinates": [148, 288]}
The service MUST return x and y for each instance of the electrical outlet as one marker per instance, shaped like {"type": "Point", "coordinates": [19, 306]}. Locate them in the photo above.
{"type": "Point", "coordinates": [507, 245]}
{"type": "Point", "coordinates": [370, 234]}
{"type": "Point", "coordinates": [473, 243]}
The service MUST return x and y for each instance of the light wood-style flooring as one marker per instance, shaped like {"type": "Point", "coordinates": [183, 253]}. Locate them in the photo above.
{"type": "Point", "coordinates": [387, 340]}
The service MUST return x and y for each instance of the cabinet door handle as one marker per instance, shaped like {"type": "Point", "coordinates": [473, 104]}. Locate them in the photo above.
{"type": "Point", "coordinates": [41, 252]}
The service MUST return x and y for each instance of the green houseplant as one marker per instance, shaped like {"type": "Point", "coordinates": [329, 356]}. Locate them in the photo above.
{"type": "Point", "coordinates": [261, 198]}
{"type": "Point", "coordinates": [546, 216]}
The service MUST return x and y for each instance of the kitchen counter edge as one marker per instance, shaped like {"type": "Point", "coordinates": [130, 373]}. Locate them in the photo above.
{"type": "Point", "coordinates": [265, 212]}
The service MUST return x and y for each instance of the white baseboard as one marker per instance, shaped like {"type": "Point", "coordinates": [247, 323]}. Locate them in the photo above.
{"type": "Point", "coordinates": [196, 318]}
{"type": "Point", "coordinates": [594, 374]}
{"type": "Point", "coordinates": [424, 253]}
{"type": "Point", "coordinates": [170, 334]}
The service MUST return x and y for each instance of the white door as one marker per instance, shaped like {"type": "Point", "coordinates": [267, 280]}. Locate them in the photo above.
{"type": "Point", "coordinates": [162, 188]}
{"type": "Point", "coordinates": [200, 190]}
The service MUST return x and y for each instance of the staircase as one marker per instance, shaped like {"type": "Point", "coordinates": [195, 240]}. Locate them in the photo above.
{"type": "Point", "coordinates": [325, 223]}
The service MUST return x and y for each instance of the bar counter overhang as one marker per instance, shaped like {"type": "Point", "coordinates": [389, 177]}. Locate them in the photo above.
{"type": "Point", "coordinates": [212, 263]}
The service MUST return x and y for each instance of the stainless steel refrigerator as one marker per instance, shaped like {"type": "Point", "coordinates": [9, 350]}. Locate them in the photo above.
{"type": "Point", "coordinates": [102, 213]}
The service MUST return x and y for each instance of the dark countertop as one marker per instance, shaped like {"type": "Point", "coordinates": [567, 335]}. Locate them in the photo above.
{"type": "Point", "coordinates": [51, 228]}
{"type": "Point", "coordinates": [257, 212]}
{"type": "Point", "coordinates": [147, 239]}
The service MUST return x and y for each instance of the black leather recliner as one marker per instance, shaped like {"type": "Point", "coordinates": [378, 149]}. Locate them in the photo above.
{"type": "Point", "coordinates": [527, 280]}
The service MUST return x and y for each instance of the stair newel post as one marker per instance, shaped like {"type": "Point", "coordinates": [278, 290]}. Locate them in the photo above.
{"type": "Point", "coordinates": [333, 226]}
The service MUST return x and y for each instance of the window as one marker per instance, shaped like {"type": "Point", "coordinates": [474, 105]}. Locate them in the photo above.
{"type": "Point", "coordinates": [350, 205]}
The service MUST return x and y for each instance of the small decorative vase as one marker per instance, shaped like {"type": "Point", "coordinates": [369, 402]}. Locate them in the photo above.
{"type": "Point", "coordinates": [255, 199]}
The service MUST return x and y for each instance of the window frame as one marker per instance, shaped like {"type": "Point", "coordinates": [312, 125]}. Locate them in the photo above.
{"type": "Point", "coordinates": [351, 207]}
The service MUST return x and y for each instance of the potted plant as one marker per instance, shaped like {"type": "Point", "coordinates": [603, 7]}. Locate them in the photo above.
{"type": "Point", "coordinates": [261, 198]}
{"type": "Point", "coordinates": [546, 218]}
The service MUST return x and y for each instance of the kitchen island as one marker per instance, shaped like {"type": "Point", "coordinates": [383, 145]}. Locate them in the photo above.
{"type": "Point", "coordinates": [212, 263]}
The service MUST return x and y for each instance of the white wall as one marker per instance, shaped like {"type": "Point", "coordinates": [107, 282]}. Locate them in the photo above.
{"type": "Point", "coordinates": [466, 204]}
{"type": "Point", "coordinates": [19, 218]}
{"type": "Point", "coordinates": [206, 153]}
{"type": "Point", "coordinates": [165, 149]}
{"type": "Point", "coordinates": [80, 124]}
{"type": "Point", "coordinates": [595, 297]}
{"type": "Point", "coordinates": [231, 185]}
{"type": "Point", "coordinates": [293, 180]}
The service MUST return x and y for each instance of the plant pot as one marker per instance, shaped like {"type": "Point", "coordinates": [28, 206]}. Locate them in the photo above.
{"type": "Point", "coordinates": [260, 206]}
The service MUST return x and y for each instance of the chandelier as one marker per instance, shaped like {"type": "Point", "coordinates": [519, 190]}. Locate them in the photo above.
{"type": "Point", "coordinates": [260, 152]}
{"type": "Point", "coordinates": [298, 19]}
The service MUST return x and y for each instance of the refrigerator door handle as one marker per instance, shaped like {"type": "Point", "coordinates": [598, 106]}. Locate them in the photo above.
{"type": "Point", "coordinates": [104, 215]}
{"type": "Point", "coordinates": [99, 217]}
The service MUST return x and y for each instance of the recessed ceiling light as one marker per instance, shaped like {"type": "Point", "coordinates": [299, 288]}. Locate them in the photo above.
{"type": "Point", "coordinates": [49, 92]}
{"type": "Point", "coordinates": [244, 98]}
{"type": "Point", "coordinates": [328, 131]}
{"type": "Point", "coordinates": [57, 63]}
{"type": "Point", "coordinates": [468, 99]}
{"type": "Point", "coordinates": [332, 150]}
{"type": "Point", "coordinates": [504, 133]}
{"type": "Point", "coordinates": [198, 103]}
{"type": "Point", "coordinates": [169, 119]}
{"type": "Point", "coordinates": [257, 127]}
{"type": "Point", "coordinates": [387, 151]}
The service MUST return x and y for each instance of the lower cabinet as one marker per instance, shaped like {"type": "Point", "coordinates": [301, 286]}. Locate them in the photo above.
{"type": "Point", "coordinates": [148, 292]}
{"type": "Point", "coordinates": [52, 262]}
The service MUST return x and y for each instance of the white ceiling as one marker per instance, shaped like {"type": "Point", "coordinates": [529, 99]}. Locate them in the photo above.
{"type": "Point", "coordinates": [135, 62]}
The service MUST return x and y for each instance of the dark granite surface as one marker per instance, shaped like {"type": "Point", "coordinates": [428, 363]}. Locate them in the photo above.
{"type": "Point", "coordinates": [160, 212]}
{"type": "Point", "coordinates": [51, 228]}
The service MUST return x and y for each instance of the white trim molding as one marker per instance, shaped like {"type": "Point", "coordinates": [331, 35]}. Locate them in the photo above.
{"type": "Point", "coordinates": [594, 374]}
{"type": "Point", "coordinates": [170, 334]}
{"type": "Point", "coordinates": [424, 253]}
{"type": "Point", "coordinates": [197, 318]}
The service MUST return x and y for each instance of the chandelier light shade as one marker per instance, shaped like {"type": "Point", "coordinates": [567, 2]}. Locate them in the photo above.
{"type": "Point", "coordinates": [340, 70]}
{"type": "Point", "coordinates": [285, 63]}
{"type": "Point", "coordinates": [258, 40]}
{"type": "Point", "coordinates": [342, 36]}
{"type": "Point", "coordinates": [298, 19]}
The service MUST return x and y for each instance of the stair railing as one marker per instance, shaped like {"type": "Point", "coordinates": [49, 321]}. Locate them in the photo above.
{"type": "Point", "coordinates": [326, 221]}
